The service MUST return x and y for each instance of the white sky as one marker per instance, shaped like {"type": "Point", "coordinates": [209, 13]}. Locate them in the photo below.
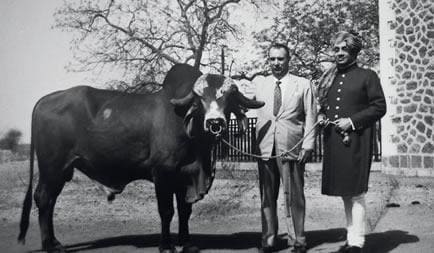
{"type": "Point", "coordinates": [33, 57]}
{"type": "Point", "coordinates": [32, 60]}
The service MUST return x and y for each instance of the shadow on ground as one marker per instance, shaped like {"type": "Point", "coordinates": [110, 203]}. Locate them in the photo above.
{"type": "Point", "coordinates": [236, 241]}
{"type": "Point", "coordinates": [318, 237]}
{"type": "Point", "coordinates": [243, 240]}
{"type": "Point", "coordinates": [375, 242]}
{"type": "Point", "coordinates": [387, 241]}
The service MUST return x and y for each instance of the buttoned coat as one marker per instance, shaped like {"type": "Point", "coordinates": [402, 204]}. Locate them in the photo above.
{"type": "Point", "coordinates": [297, 115]}
{"type": "Point", "coordinates": [355, 93]}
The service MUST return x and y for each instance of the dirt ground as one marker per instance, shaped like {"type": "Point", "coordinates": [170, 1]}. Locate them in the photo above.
{"type": "Point", "coordinates": [226, 220]}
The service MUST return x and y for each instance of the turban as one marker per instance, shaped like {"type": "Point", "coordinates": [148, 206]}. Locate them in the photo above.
{"type": "Point", "coordinates": [322, 86]}
{"type": "Point", "coordinates": [353, 40]}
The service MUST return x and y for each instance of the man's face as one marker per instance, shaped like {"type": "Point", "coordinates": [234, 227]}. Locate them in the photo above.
{"type": "Point", "coordinates": [278, 61]}
{"type": "Point", "coordinates": [342, 54]}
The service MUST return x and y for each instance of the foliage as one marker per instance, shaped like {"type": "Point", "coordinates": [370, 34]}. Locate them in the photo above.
{"type": "Point", "coordinates": [145, 37]}
{"type": "Point", "coordinates": [10, 140]}
{"type": "Point", "coordinates": [308, 26]}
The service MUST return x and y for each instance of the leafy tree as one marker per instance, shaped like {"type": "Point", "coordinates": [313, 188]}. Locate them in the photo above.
{"type": "Point", "coordinates": [10, 140]}
{"type": "Point", "coordinates": [307, 27]}
{"type": "Point", "coordinates": [145, 37]}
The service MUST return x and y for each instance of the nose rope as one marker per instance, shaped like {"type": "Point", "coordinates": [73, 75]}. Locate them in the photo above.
{"type": "Point", "coordinates": [275, 156]}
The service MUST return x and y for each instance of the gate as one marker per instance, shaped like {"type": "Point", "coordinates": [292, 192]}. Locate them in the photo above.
{"type": "Point", "coordinates": [247, 143]}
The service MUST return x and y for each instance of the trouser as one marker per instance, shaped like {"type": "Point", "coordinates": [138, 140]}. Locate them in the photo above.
{"type": "Point", "coordinates": [292, 175]}
{"type": "Point", "coordinates": [355, 212]}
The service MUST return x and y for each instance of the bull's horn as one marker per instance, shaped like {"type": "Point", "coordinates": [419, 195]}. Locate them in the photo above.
{"type": "Point", "coordinates": [249, 103]}
{"type": "Point", "coordinates": [183, 101]}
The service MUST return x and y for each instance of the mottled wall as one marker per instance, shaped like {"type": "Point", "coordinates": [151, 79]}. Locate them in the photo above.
{"type": "Point", "coordinates": [412, 82]}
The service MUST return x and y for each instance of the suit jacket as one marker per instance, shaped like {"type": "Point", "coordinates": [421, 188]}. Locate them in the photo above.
{"type": "Point", "coordinates": [297, 115]}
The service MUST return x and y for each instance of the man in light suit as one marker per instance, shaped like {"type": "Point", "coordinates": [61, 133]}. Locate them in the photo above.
{"type": "Point", "coordinates": [288, 115]}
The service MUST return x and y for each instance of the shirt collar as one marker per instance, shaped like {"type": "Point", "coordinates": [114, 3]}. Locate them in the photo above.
{"type": "Point", "coordinates": [284, 79]}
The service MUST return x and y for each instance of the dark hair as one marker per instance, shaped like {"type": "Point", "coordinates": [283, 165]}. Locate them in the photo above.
{"type": "Point", "coordinates": [352, 38]}
{"type": "Point", "coordinates": [280, 45]}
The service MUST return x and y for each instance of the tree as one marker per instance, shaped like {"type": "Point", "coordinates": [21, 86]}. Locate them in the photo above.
{"type": "Point", "coordinates": [10, 140]}
{"type": "Point", "coordinates": [146, 37]}
{"type": "Point", "coordinates": [307, 26]}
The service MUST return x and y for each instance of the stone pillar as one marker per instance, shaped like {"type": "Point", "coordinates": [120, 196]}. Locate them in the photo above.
{"type": "Point", "coordinates": [407, 76]}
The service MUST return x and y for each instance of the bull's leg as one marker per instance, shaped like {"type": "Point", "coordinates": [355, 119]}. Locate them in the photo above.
{"type": "Point", "coordinates": [184, 213]}
{"type": "Point", "coordinates": [164, 192]}
{"type": "Point", "coordinates": [45, 197]}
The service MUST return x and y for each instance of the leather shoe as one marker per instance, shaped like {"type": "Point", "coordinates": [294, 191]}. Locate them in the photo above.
{"type": "Point", "coordinates": [266, 249]}
{"type": "Point", "coordinates": [299, 249]}
{"type": "Point", "coordinates": [343, 249]}
{"type": "Point", "coordinates": [354, 249]}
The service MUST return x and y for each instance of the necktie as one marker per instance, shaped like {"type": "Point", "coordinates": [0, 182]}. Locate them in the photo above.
{"type": "Point", "coordinates": [277, 98]}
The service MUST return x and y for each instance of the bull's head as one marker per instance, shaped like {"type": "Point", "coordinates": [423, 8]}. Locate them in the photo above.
{"type": "Point", "coordinates": [211, 102]}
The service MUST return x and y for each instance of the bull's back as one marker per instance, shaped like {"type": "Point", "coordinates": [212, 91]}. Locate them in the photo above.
{"type": "Point", "coordinates": [60, 117]}
{"type": "Point", "coordinates": [113, 137]}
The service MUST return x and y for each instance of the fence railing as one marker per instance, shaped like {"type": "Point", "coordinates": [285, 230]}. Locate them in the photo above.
{"type": "Point", "coordinates": [247, 143]}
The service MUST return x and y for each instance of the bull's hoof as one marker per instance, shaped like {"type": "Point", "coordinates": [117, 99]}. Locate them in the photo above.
{"type": "Point", "coordinates": [168, 250]}
{"type": "Point", "coordinates": [190, 249]}
{"type": "Point", "coordinates": [54, 247]}
{"type": "Point", "coordinates": [56, 250]}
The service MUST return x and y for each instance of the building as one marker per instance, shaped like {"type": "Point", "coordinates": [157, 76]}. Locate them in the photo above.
{"type": "Point", "coordinates": [407, 76]}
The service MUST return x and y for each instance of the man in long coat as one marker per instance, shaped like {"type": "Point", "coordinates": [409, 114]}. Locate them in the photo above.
{"type": "Point", "coordinates": [352, 100]}
{"type": "Point", "coordinates": [288, 116]}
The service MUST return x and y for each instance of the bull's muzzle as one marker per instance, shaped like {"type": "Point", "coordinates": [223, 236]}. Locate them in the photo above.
{"type": "Point", "coordinates": [215, 126]}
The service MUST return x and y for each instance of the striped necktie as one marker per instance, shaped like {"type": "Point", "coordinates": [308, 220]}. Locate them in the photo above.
{"type": "Point", "coordinates": [277, 98]}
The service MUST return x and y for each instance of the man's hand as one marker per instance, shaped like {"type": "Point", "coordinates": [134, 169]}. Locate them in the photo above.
{"type": "Point", "coordinates": [304, 155]}
{"type": "Point", "coordinates": [323, 121]}
{"type": "Point", "coordinates": [343, 124]}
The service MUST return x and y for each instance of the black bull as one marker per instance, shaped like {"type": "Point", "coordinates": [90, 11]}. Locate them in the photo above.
{"type": "Point", "coordinates": [115, 138]}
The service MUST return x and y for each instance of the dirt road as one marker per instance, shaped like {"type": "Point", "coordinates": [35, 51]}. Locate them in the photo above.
{"type": "Point", "coordinates": [227, 220]}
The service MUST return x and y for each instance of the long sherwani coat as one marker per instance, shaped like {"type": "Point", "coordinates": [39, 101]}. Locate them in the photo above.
{"type": "Point", "coordinates": [355, 93]}
{"type": "Point", "coordinates": [296, 116]}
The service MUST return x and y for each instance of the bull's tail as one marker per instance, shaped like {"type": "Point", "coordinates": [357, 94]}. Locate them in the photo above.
{"type": "Point", "coordinates": [27, 205]}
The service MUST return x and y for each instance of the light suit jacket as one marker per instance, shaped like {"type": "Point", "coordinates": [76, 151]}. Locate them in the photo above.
{"type": "Point", "coordinates": [297, 115]}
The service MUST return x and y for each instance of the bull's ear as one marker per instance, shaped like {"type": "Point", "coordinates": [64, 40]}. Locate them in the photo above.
{"type": "Point", "coordinates": [242, 120]}
{"type": "Point", "coordinates": [186, 100]}
{"type": "Point", "coordinates": [249, 103]}
{"type": "Point", "coordinates": [242, 123]}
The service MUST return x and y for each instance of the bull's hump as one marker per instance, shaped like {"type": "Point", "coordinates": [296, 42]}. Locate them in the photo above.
{"type": "Point", "coordinates": [215, 81]}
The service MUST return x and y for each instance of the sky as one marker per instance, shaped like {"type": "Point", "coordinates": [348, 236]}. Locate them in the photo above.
{"type": "Point", "coordinates": [33, 57]}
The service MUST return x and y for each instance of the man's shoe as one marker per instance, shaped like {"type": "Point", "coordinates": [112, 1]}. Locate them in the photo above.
{"type": "Point", "coordinates": [343, 249]}
{"type": "Point", "coordinates": [266, 249]}
{"type": "Point", "coordinates": [354, 249]}
{"type": "Point", "coordinates": [299, 249]}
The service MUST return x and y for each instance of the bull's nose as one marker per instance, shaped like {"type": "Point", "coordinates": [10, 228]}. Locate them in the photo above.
{"type": "Point", "coordinates": [215, 126]}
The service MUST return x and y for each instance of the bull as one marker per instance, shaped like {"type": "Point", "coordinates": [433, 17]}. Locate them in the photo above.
{"type": "Point", "coordinates": [115, 138]}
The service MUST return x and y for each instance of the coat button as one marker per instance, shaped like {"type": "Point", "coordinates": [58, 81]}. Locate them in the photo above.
{"type": "Point", "coordinates": [337, 107]}
{"type": "Point", "coordinates": [338, 99]}
{"type": "Point", "coordinates": [339, 90]}
{"type": "Point", "coordinates": [341, 82]}
{"type": "Point", "coordinates": [343, 75]}
{"type": "Point", "coordinates": [336, 116]}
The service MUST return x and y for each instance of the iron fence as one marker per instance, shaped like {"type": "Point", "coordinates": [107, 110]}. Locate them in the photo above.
{"type": "Point", "coordinates": [247, 143]}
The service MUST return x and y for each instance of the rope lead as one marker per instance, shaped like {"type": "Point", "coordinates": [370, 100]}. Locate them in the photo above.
{"type": "Point", "coordinates": [275, 156]}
